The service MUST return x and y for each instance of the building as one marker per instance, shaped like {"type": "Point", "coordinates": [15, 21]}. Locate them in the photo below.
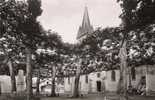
{"type": "Point", "coordinates": [95, 82]}
{"type": "Point", "coordinates": [108, 81]}
{"type": "Point", "coordinates": [86, 27]}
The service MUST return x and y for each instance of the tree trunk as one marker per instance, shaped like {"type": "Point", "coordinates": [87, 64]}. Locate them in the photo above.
{"type": "Point", "coordinates": [53, 94]}
{"type": "Point", "coordinates": [123, 73]}
{"type": "Point", "coordinates": [38, 82]}
{"type": "Point", "coordinates": [130, 84]}
{"type": "Point", "coordinates": [76, 84]}
{"type": "Point", "coordinates": [29, 74]}
{"type": "Point", "coordinates": [0, 88]}
{"type": "Point", "coordinates": [12, 75]}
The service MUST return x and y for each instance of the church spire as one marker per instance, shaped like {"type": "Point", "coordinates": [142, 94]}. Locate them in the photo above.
{"type": "Point", "coordinates": [86, 21]}
{"type": "Point", "coordinates": [86, 27]}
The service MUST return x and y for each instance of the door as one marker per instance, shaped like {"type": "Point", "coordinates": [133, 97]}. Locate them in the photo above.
{"type": "Point", "coordinates": [98, 86]}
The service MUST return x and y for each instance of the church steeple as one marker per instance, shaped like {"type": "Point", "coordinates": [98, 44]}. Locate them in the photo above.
{"type": "Point", "coordinates": [86, 27]}
{"type": "Point", "coordinates": [86, 21]}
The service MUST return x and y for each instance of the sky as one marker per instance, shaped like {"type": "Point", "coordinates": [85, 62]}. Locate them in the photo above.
{"type": "Point", "coordinates": [65, 16]}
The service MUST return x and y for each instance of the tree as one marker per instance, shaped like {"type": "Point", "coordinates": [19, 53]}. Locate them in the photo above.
{"type": "Point", "coordinates": [8, 43]}
{"type": "Point", "coordinates": [8, 62]}
{"type": "Point", "coordinates": [77, 78]}
{"type": "Point", "coordinates": [136, 14]}
{"type": "Point", "coordinates": [31, 30]}
{"type": "Point", "coordinates": [76, 59]}
{"type": "Point", "coordinates": [55, 46]}
{"type": "Point", "coordinates": [50, 54]}
{"type": "Point", "coordinates": [19, 22]}
{"type": "Point", "coordinates": [106, 41]}
{"type": "Point", "coordinates": [72, 67]}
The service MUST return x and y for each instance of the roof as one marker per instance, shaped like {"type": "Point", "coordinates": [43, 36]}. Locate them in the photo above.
{"type": "Point", "coordinates": [86, 26]}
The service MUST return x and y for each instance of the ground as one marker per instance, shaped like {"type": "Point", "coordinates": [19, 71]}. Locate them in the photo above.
{"type": "Point", "coordinates": [101, 97]}
{"type": "Point", "coordinates": [88, 97]}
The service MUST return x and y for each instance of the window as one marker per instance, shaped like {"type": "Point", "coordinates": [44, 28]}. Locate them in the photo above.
{"type": "Point", "coordinates": [143, 80]}
{"type": "Point", "coordinates": [98, 75]}
{"type": "Point", "coordinates": [133, 73]}
{"type": "Point", "coordinates": [68, 80]}
{"type": "Point", "coordinates": [113, 76]}
{"type": "Point", "coordinates": [86, 78]}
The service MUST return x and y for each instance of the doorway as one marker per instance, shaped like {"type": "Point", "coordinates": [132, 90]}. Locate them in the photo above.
{"type": "Point", "coordinates": [98, 86]}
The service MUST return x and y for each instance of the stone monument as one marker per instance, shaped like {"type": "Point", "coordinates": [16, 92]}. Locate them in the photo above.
{"type": "Point", "coordinates": [20, 81]}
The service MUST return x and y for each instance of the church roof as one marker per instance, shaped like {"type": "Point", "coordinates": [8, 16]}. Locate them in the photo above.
{"type": "Point", "coordinates": [86, 26]}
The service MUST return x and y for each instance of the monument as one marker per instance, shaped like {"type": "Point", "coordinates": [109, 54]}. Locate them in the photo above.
{"type": "Point", "coordinates": [20, 81]}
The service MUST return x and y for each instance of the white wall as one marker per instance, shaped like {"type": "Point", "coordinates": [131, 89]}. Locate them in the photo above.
{"type": "Point", "coordinates": [93, 80]}
{"type": "Point", "coordinates": [140, 71]}
{"type": "Point", "coordinates": [150, 82]}
{"type": "Point", "coordinates": [109, 84]}
{"type": "Point", "coordinates": [69, 88]}
{"type": "Point", "coordinates": [5, 83]}
{"type": "Point", "coordinates": [150, 79]}
{"type": "Point", "coordinates": [84, 87]}
{"type": "Point", "coordinates": [66, 85]}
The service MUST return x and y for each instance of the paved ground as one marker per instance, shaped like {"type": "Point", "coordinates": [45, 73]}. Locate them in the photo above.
{"type": "Point", "coordinates": [101, 97]}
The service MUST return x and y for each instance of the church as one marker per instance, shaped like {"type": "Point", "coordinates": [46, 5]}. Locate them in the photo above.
{"type": "Point", "coordinates": [107, 81]}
